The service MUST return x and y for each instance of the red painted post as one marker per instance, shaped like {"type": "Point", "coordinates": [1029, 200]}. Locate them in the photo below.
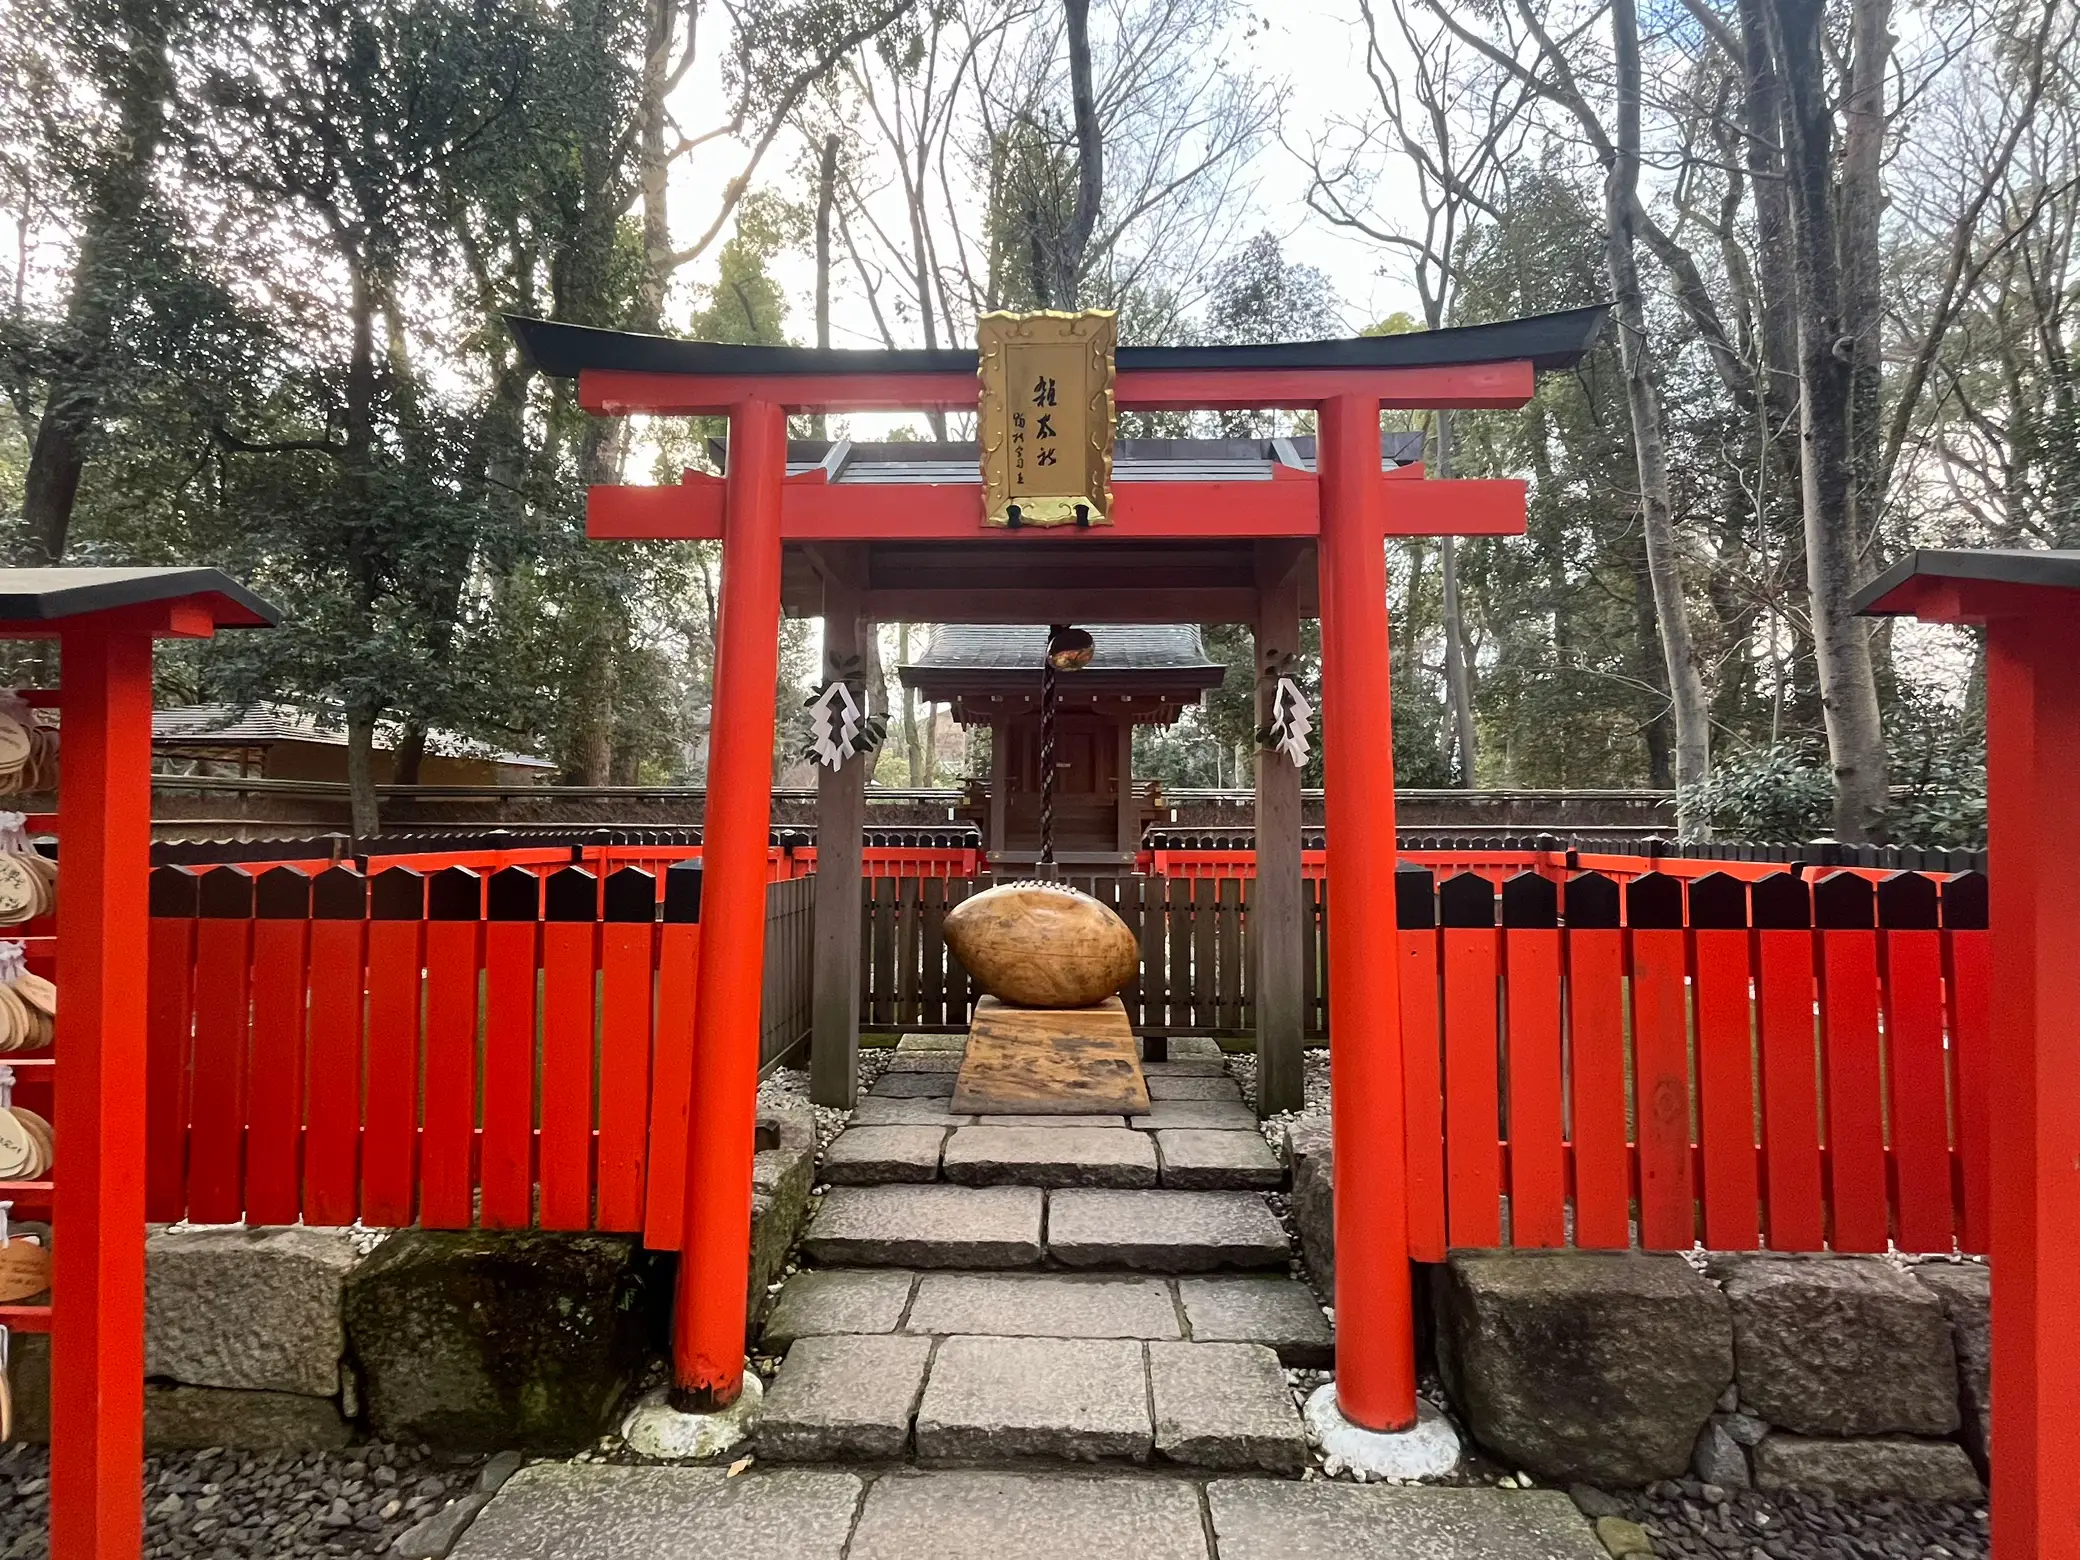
{"type": "Point", "coordinates": [2033, 808]}
{"type": "Point", "coordinates": [97, 1323]}
{"type": "Point", "coordinates": [1375, 1319]}
{"type": "Point", "coordinates": [715, 1253]}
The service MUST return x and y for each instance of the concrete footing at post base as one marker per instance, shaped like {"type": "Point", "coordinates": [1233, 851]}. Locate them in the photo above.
{"type": "Point", "coordinates": [1428, 1449]}
{"type": "Point", "coordinates": [654, 1428]}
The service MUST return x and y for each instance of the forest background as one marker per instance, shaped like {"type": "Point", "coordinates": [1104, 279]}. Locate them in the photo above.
{"type": "Point", "coordinates": [254, 254]}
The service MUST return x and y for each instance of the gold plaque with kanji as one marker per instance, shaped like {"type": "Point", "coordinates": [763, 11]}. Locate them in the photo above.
{"type": "Point", "coordinates": [1046, 418]}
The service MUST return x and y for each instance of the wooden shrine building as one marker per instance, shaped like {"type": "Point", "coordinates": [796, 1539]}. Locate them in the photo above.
{"type": "Point", "coordinates": [1142, 674]}
{"type": "Point", "coordinates": [1061, 524]}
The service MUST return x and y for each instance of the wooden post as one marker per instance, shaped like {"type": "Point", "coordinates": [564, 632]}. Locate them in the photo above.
{"type": "Point", "coordinates": [841, 811]}
{"type": "Point", "coordinates": [97, 1288]}
{"type": "Point", "coordinates": [1274, 909]}
{"type": "Point", "coordinates": [999, 788]}
{"type": "Point", "coordinates": [2033, 811]}
{"type": "Point", "coordinates": [1129, 805]}
{"type": "Point", "coordinates": [1375, 1318]}
{"type": "Point", "coordinates": [715, 1253]}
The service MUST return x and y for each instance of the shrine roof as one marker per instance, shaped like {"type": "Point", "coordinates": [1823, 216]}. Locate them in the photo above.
{"type": "Point", "coordinates": [49, 595]}
{"type": "Point", "coordinates": [1885, 595]}
{"type": "Point", "coordinates": [990, 671]}
{"type": "Point", "coordinates": [1120, 647]}
{"type": "Point", "coordinates": [1547, 341]}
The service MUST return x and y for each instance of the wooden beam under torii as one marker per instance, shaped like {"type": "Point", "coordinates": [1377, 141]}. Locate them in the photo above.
{"type": "Point", "coordinates": [1177, 547]}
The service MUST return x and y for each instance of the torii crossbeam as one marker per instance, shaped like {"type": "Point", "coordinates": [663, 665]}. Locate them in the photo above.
{"type": "Point", "coordinates": [1198, 550]}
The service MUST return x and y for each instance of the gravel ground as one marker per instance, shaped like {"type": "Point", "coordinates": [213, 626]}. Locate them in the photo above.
{"type": "Point", "coordinates": [1686, 1518]}
{"type": "Point", "coordinates": [1314, 1077]}
{"type": "Point", "coordinates": [219, 1505]}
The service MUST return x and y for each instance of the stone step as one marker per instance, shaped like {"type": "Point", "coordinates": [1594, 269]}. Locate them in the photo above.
{"type": "Point", "coordinates": [595, 1511]}
{"type": "Point", "coordinates": [904, 1138]}
{"type": "Point", "coordinates": [947, 1226]}
{"type": "Point", "coordinates": [1279, 1313]}
{"type": "Point", "coordinates": [993, 1399]}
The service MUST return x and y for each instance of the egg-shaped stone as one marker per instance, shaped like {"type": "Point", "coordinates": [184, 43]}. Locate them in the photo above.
{"type": "Point", "coordinates": [1042, 945]}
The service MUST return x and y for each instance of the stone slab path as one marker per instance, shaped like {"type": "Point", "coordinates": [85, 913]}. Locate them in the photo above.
{"type": "Point", "coordinates": [566, 1511]}
{"type": "Point", "coordinates": [1198, 1135]}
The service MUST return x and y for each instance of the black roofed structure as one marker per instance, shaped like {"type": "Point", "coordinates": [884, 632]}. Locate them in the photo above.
{"type": "Point", "coordinates": [1140, 674]}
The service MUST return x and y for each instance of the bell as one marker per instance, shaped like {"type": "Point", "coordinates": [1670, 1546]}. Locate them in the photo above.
{"type": "Point", "coordinates": [1069, 649]}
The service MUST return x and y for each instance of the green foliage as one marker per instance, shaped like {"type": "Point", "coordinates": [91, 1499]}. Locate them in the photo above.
{"type": "Point", "coordinates": [1780, 795]}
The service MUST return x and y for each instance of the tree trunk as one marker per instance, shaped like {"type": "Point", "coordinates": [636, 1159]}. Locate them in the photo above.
{"type": "Point", "coordinates": [1687, 705]}
{"type": "Point", "coordinates": [1458, 673]}
{"type": "Point", "coordinates": [1827, 478]}
{"type": "Point", "coordinates": [119, 194]}
{"type": "Point", "coordinates": [913, 749]}
{"type": "Point", "coordinates": [872, 670]}
{"type": "Point", "coordinates": [363, 807]}
{"type": "Point", "coordinates": [1063, 271]}
{"type": "Point", "coordinates": [411, 753]}
{"type": "Point", "coordinates": [826, 193]}
{"type": "Point", "coordinates": [1651, 668]}
{"type": "Point", "coordinates": [653, 164]}
{"type": "Point", "coordinates": [1857, 239]}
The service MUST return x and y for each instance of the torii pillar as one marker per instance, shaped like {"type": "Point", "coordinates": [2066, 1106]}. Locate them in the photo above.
{"type": "Point", "coordinates": [722, 1123]}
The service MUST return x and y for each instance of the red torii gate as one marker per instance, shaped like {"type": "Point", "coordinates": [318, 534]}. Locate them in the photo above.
{"type": "Point", "coordinates": [922, 552]}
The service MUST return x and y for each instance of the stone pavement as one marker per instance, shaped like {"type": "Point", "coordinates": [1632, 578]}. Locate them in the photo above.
{"type": "Point", "coordinates": [569, 1511]}
{"type": "Point", "coordinates": [1051, 1290]}
{"type": "Point", "coordinates": [1198, 1135]}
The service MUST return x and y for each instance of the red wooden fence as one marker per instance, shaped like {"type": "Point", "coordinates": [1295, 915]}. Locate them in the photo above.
{"type": "Point", "coordinates": [1669, 1059]}
{"type": "Point", "coordinates": [1782, 1063]}
{"type": "Point", "coordinates": [450, 1048]}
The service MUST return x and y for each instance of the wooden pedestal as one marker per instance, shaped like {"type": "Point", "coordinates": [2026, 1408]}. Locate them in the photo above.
{"type": "Point", "coordinates": [1050, 1062]}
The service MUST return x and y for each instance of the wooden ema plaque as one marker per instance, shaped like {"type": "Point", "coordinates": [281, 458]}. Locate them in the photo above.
{"type": "Point", "coordinates": [1050, 1062]}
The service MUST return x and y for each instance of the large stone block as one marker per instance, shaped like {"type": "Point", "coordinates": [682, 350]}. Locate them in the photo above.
{"type": "Point", "coordinates": [880, 1156]}
{"type": "Point", "coordinates": [1164, 1232]}
{"type": "Point", "coordinates": [781, 1174]}
{"type": "Point", "coordinates": [1280, 1313]}
{"type": "Point", "coordinates": [928, 1226]}
{"type": "Point", "coordinates": [483, 1339]}
{"type": "Point", "coordinates": [913, 1086]}
{"type": "Point", "coordinates": [1965, 1289]}
{"type": "Point", "coordinates": [1044, 1305]}
{"type": "Point", "coordinates": [187, 1419]}
{"type": "Point", "coordinates": [1270, 1519]}
{"type": "Point", "coordinates": [1039, 1156]}
{"type": "Point", "coordinates": [1867, 1468]}
{"type": "Point", "coordinates": [823, 1301]}
{"type": "Point", "coordinates": [584, 1511]}
{"type": "Point", "coordinates": [1204, 1160]}
{"type": "Point", "coordinates": [1027, 1516]}
{"type": "Point", "coordinates": [1841, 1346]}
{"type": "Point", "coordinates": [843, 1397]}
{"type": "Point", "coordinates": [1224, 1405]}
{"type": "Point", "coordinates": [1174, 1086]}
{"type": "Point", "coordinates": [252, 1309]}
{"type": "Point", "coordinates": [1592, 1366]}
{"type": "Point", "coordinates": [1078, 1399]}
{"type": "Point", "coordinates": [1312, 1155]}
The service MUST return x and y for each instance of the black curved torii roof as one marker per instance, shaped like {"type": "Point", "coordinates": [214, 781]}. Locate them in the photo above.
{"type": "Point", "coordinates": [1546, 341]}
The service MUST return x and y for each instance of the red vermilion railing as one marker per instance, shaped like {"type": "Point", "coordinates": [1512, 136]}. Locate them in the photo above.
{"type": "Point", "coordinates": [1674, 1057]}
